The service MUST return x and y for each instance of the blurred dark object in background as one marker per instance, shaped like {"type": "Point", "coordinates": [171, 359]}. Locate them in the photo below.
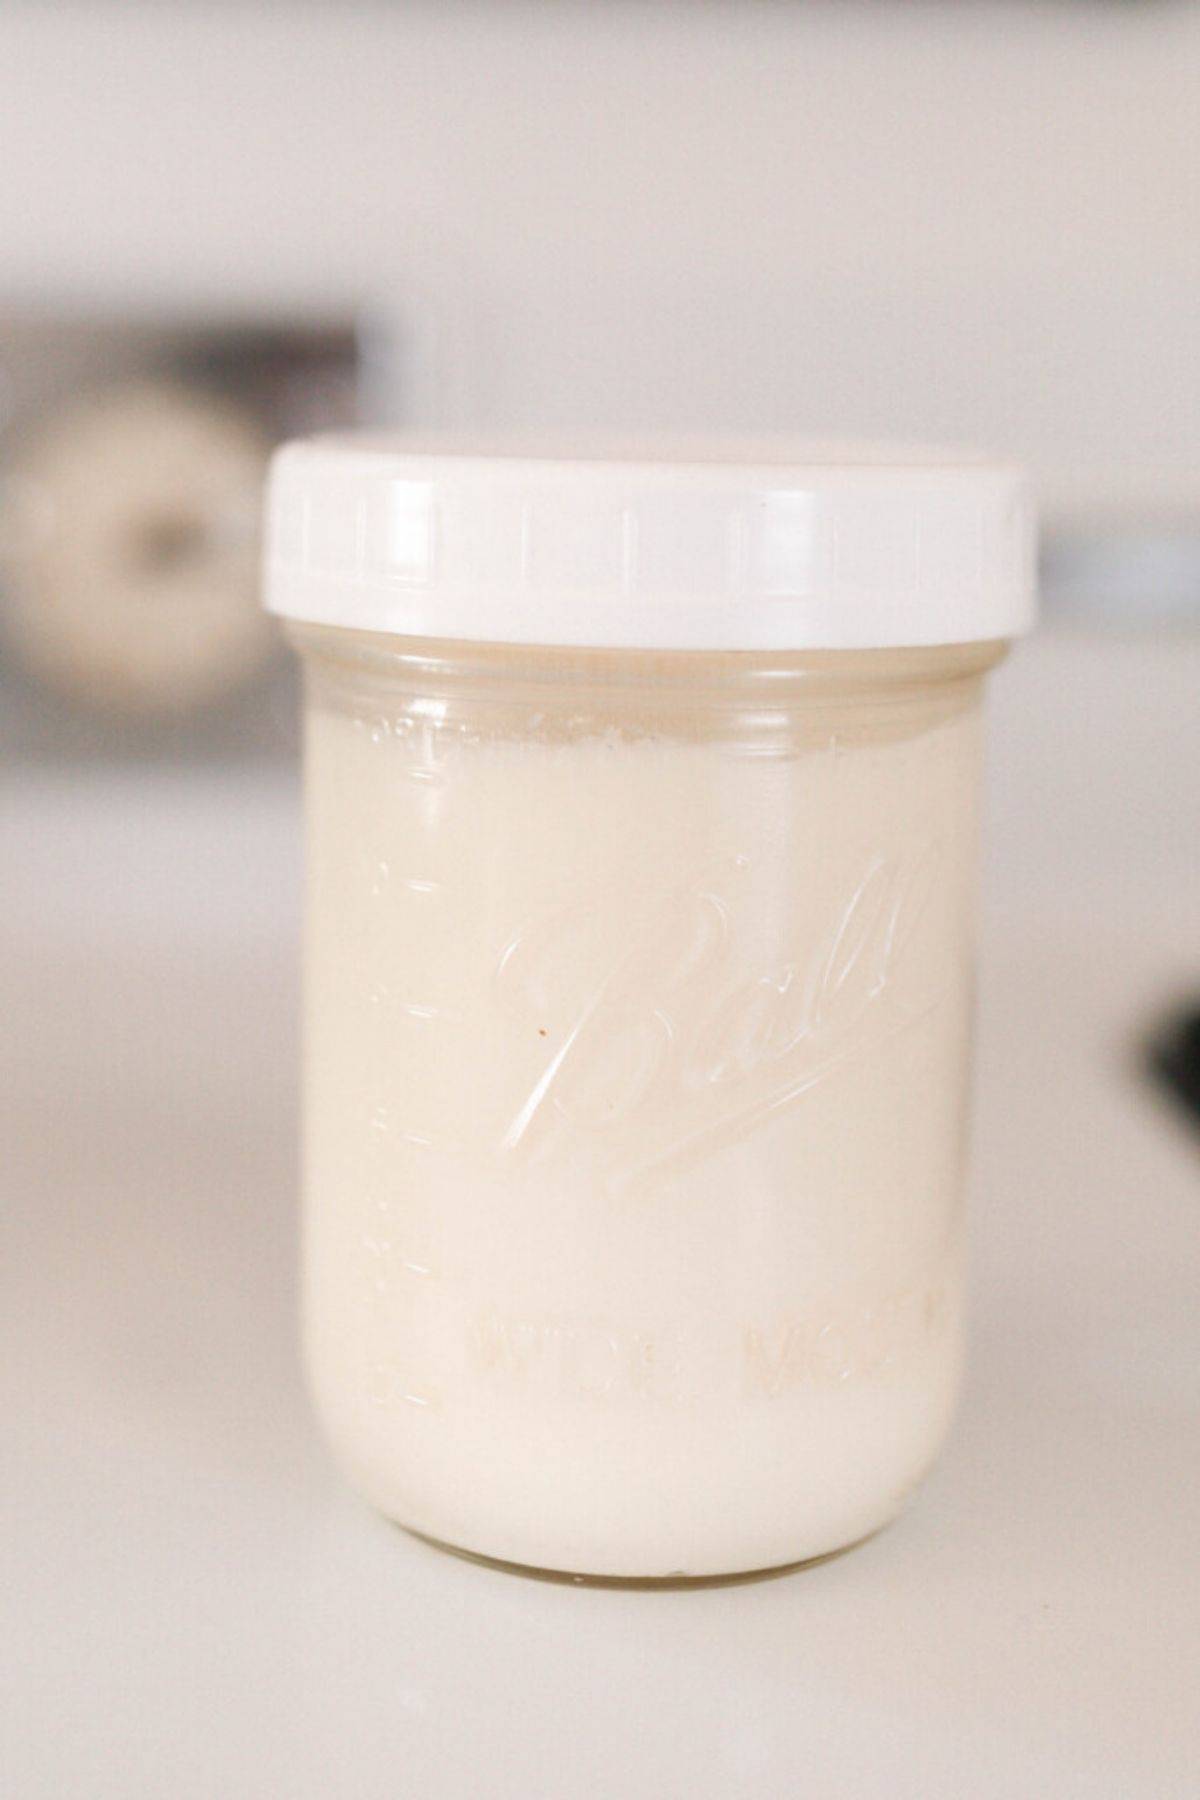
{"type": "Point", "coordinates": [132, 454]}
{"type": "Point", "coordinates": [1173, 1057]}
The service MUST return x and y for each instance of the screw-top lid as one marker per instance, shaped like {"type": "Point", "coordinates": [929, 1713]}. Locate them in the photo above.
{"type": "Point", "coordinates": [771, 550]}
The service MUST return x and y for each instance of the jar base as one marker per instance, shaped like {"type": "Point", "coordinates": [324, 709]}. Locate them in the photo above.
{"type": "Point", "coordinates": [663, 1583]}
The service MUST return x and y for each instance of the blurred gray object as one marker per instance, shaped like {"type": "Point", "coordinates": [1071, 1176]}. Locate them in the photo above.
{"type": "Point", "coordinates": [1140, 574]}
{"type": "Point", "coordinates": [131, 461]}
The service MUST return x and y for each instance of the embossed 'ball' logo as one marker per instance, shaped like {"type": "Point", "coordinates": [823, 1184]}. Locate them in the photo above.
{"type": "Point", "coordinates": [667, 1029]}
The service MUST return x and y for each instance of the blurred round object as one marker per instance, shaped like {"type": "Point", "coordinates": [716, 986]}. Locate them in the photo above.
{"type": "Point", "coordinates": [131, 530]}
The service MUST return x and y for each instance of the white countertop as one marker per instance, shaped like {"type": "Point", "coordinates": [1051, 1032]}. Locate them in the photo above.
{"type": "Point", "coordinates": [195, 1607]}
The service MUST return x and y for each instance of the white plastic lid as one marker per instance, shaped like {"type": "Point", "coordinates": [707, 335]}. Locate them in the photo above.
{"type": "Point", "coordinates": [845, 550]}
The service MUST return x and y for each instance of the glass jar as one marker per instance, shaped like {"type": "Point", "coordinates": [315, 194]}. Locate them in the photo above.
{"type": "Point", "coordinates": [641, 812]}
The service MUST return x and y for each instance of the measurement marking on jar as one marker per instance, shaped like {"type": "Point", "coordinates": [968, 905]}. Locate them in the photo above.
{"type": "Point", "coordinates": [426, 1009]}
{"type": "Point", "coordinates": [386, 1386]}
{"type": "Point", "coordinates": [381, 995]}
{"type": "Point", "coordinates": [388, 1269]}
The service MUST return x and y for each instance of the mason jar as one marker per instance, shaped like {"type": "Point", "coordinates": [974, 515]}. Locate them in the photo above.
{"type": "Point", "coordinates": [641, 832]}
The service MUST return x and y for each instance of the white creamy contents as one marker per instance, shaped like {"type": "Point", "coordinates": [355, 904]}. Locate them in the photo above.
{"type": "Point", "coordinates": [635, 1091]}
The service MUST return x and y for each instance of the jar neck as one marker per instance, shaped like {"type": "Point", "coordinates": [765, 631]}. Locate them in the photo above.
{"type": "Point", "coordinates": [518, 689]}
